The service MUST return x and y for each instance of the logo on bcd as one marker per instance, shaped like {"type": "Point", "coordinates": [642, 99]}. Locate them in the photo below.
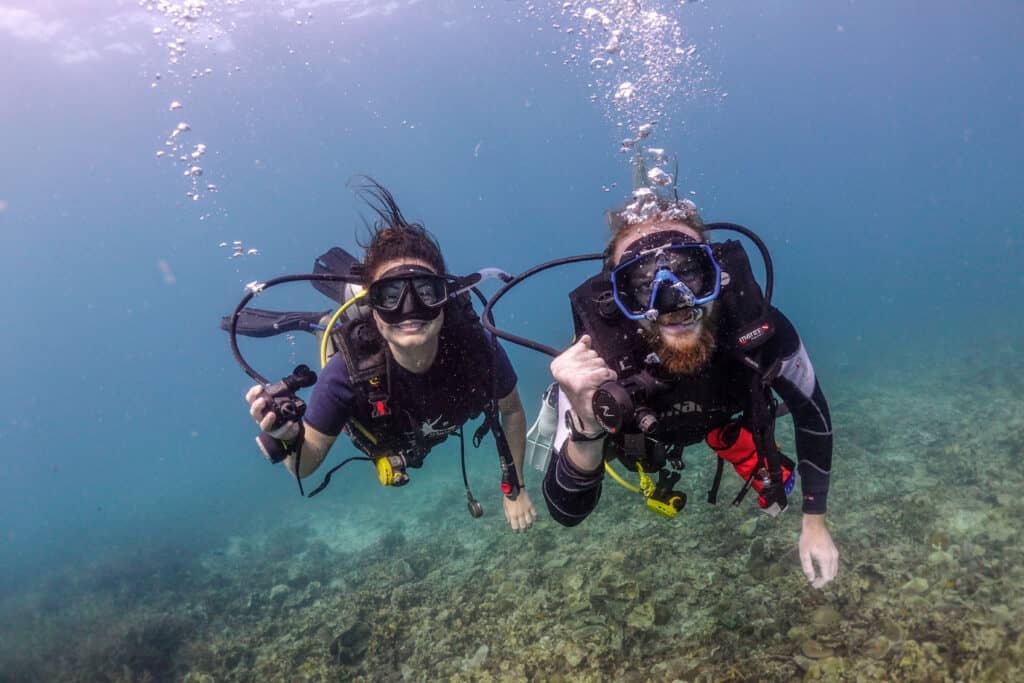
{"type": "Point", "coordinates": [437, 427]}
{"type": "Point", "coordinates": [684, 407]}
{"type": "Point", "coordinates": [755, 333]}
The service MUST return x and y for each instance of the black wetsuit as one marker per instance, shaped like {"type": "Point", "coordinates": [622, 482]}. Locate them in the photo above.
{"type": "Point", "coordinates": [710, 399]}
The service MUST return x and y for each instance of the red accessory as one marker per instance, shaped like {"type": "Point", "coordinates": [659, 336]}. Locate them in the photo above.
{"type": "Point", "coordinates": [735, 444]}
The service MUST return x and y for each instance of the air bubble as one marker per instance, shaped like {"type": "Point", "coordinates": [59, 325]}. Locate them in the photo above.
{"type": "Point", "coordinates": [659, 177]}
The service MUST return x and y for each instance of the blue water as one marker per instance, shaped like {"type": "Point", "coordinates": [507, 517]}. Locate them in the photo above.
{"type": "Point", "coordinates": [874, 146]}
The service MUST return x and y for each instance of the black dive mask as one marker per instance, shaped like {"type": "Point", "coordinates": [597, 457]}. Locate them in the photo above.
{"type": "Point", "coordinates": [408, 292]}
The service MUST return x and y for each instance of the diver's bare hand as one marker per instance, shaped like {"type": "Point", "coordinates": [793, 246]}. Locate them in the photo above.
{"type": "Point", "coordinates": [817, 551]}
{"type": "Point", "coordinates": [520, 512]}
{"type": "Point", "coordinates": [257, 400]}
{"type": "Point", "coordinates": [579, 371]}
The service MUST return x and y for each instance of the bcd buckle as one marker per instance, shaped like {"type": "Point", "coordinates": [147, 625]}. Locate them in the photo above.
{"type": "Point", "coordinates": [481, 431]}
{"type": "Point", "coordinates": [378, 401]}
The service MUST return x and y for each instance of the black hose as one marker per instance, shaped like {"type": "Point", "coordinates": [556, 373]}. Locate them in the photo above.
{"type": "Point", "coordinates": [462, 459]}
{"type": "Point", "coordinates": [483, 299]}
{"type": "Point", "coordinates": [233, 340]}
{"type": "Point", "coordinates": [233, 328]}
{"type": "Point", "coordinates": [769, 270]}
{"type": "Point", "coordinates": [327, 477]}
{"type": "Point", "coordinates": [488, 317]}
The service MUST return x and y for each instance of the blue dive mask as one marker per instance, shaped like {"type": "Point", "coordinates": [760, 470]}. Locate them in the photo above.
{"type": "Point", "coordinates": [663, 272]}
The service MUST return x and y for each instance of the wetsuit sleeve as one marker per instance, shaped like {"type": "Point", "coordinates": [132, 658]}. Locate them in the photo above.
{"type": "Point", "coordinates": [571, 494]}
{"type": "Point", "coordinates": [799, 389]}
{"type": "Point", "coordinates": [331, 404]}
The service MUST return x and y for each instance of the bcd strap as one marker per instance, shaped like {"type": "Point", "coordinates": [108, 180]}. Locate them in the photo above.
{"type": "Point", "coordinates": [294, 447]}
{"type": "Point", "coordinates": [763, 430]}
{"type": "Point", "coordinates": [713, 491]}
{"type": "Point", "coordinates": [509, 475]}
{"type": "Point", "coordinates": [481, 432]}
{"type": "Point", "coordinates": [367, 361]}
{"type": "Point", "coordinates": [363, 350]}
{"type": "Point", "coordinates": [748, 321]}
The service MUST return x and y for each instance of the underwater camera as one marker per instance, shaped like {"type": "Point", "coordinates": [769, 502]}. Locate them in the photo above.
{"type": "Point", "coordinates": [621, 405]}
{"type": "Point", "coordinates": [286, 406]}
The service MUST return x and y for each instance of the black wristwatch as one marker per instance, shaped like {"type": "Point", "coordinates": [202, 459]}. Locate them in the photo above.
{"type": "Point", "coordinates": [578, 436]}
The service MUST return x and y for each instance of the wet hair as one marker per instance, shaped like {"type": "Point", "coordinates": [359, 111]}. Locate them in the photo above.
{"type": "Point", "coordinates": [391, 236]}
{"type": "Point", "coordinates": [648, 208]}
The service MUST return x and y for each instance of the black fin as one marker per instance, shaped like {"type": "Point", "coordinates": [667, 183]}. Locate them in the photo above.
{"type": "Point", "coordinates": [336, 261]}
{"type": "Point", "coordinates": [255, 322]}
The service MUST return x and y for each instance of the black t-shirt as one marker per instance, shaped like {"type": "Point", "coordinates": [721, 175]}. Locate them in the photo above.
{"type": "Point", "coordinates": [434, 404]}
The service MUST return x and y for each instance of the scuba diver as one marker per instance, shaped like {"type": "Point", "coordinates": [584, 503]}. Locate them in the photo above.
{"type": "Point", "coordinates": [676, 344]}
{"type": "Point", "coordinates": [406, 374]}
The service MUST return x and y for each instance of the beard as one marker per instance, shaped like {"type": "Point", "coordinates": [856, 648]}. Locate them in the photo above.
{"type": "Point", "coordinates": [686, 357]}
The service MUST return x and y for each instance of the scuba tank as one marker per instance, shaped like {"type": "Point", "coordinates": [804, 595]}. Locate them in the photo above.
{"type": "Point", "coordinates": [541, 437]}
{"type": "Point", "coordinates": [337, 260]}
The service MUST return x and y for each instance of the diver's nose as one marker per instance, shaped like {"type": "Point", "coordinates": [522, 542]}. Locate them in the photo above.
{"type": "Point", "coordinates": [408, 305]}
{"type": "Point", "coordinates": [685, 292]}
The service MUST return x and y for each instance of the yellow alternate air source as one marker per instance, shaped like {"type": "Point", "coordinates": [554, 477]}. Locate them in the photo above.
{"type": "Point", "coordinates": [332, 322]}
{"type": "Point", "coordinates": [385, 473]}
{"type": "Point", "coordinates": [646, 489]}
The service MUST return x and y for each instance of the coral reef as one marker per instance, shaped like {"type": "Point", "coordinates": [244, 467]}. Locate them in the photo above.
{"type": "Point", "coordinates": [926, 510]}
